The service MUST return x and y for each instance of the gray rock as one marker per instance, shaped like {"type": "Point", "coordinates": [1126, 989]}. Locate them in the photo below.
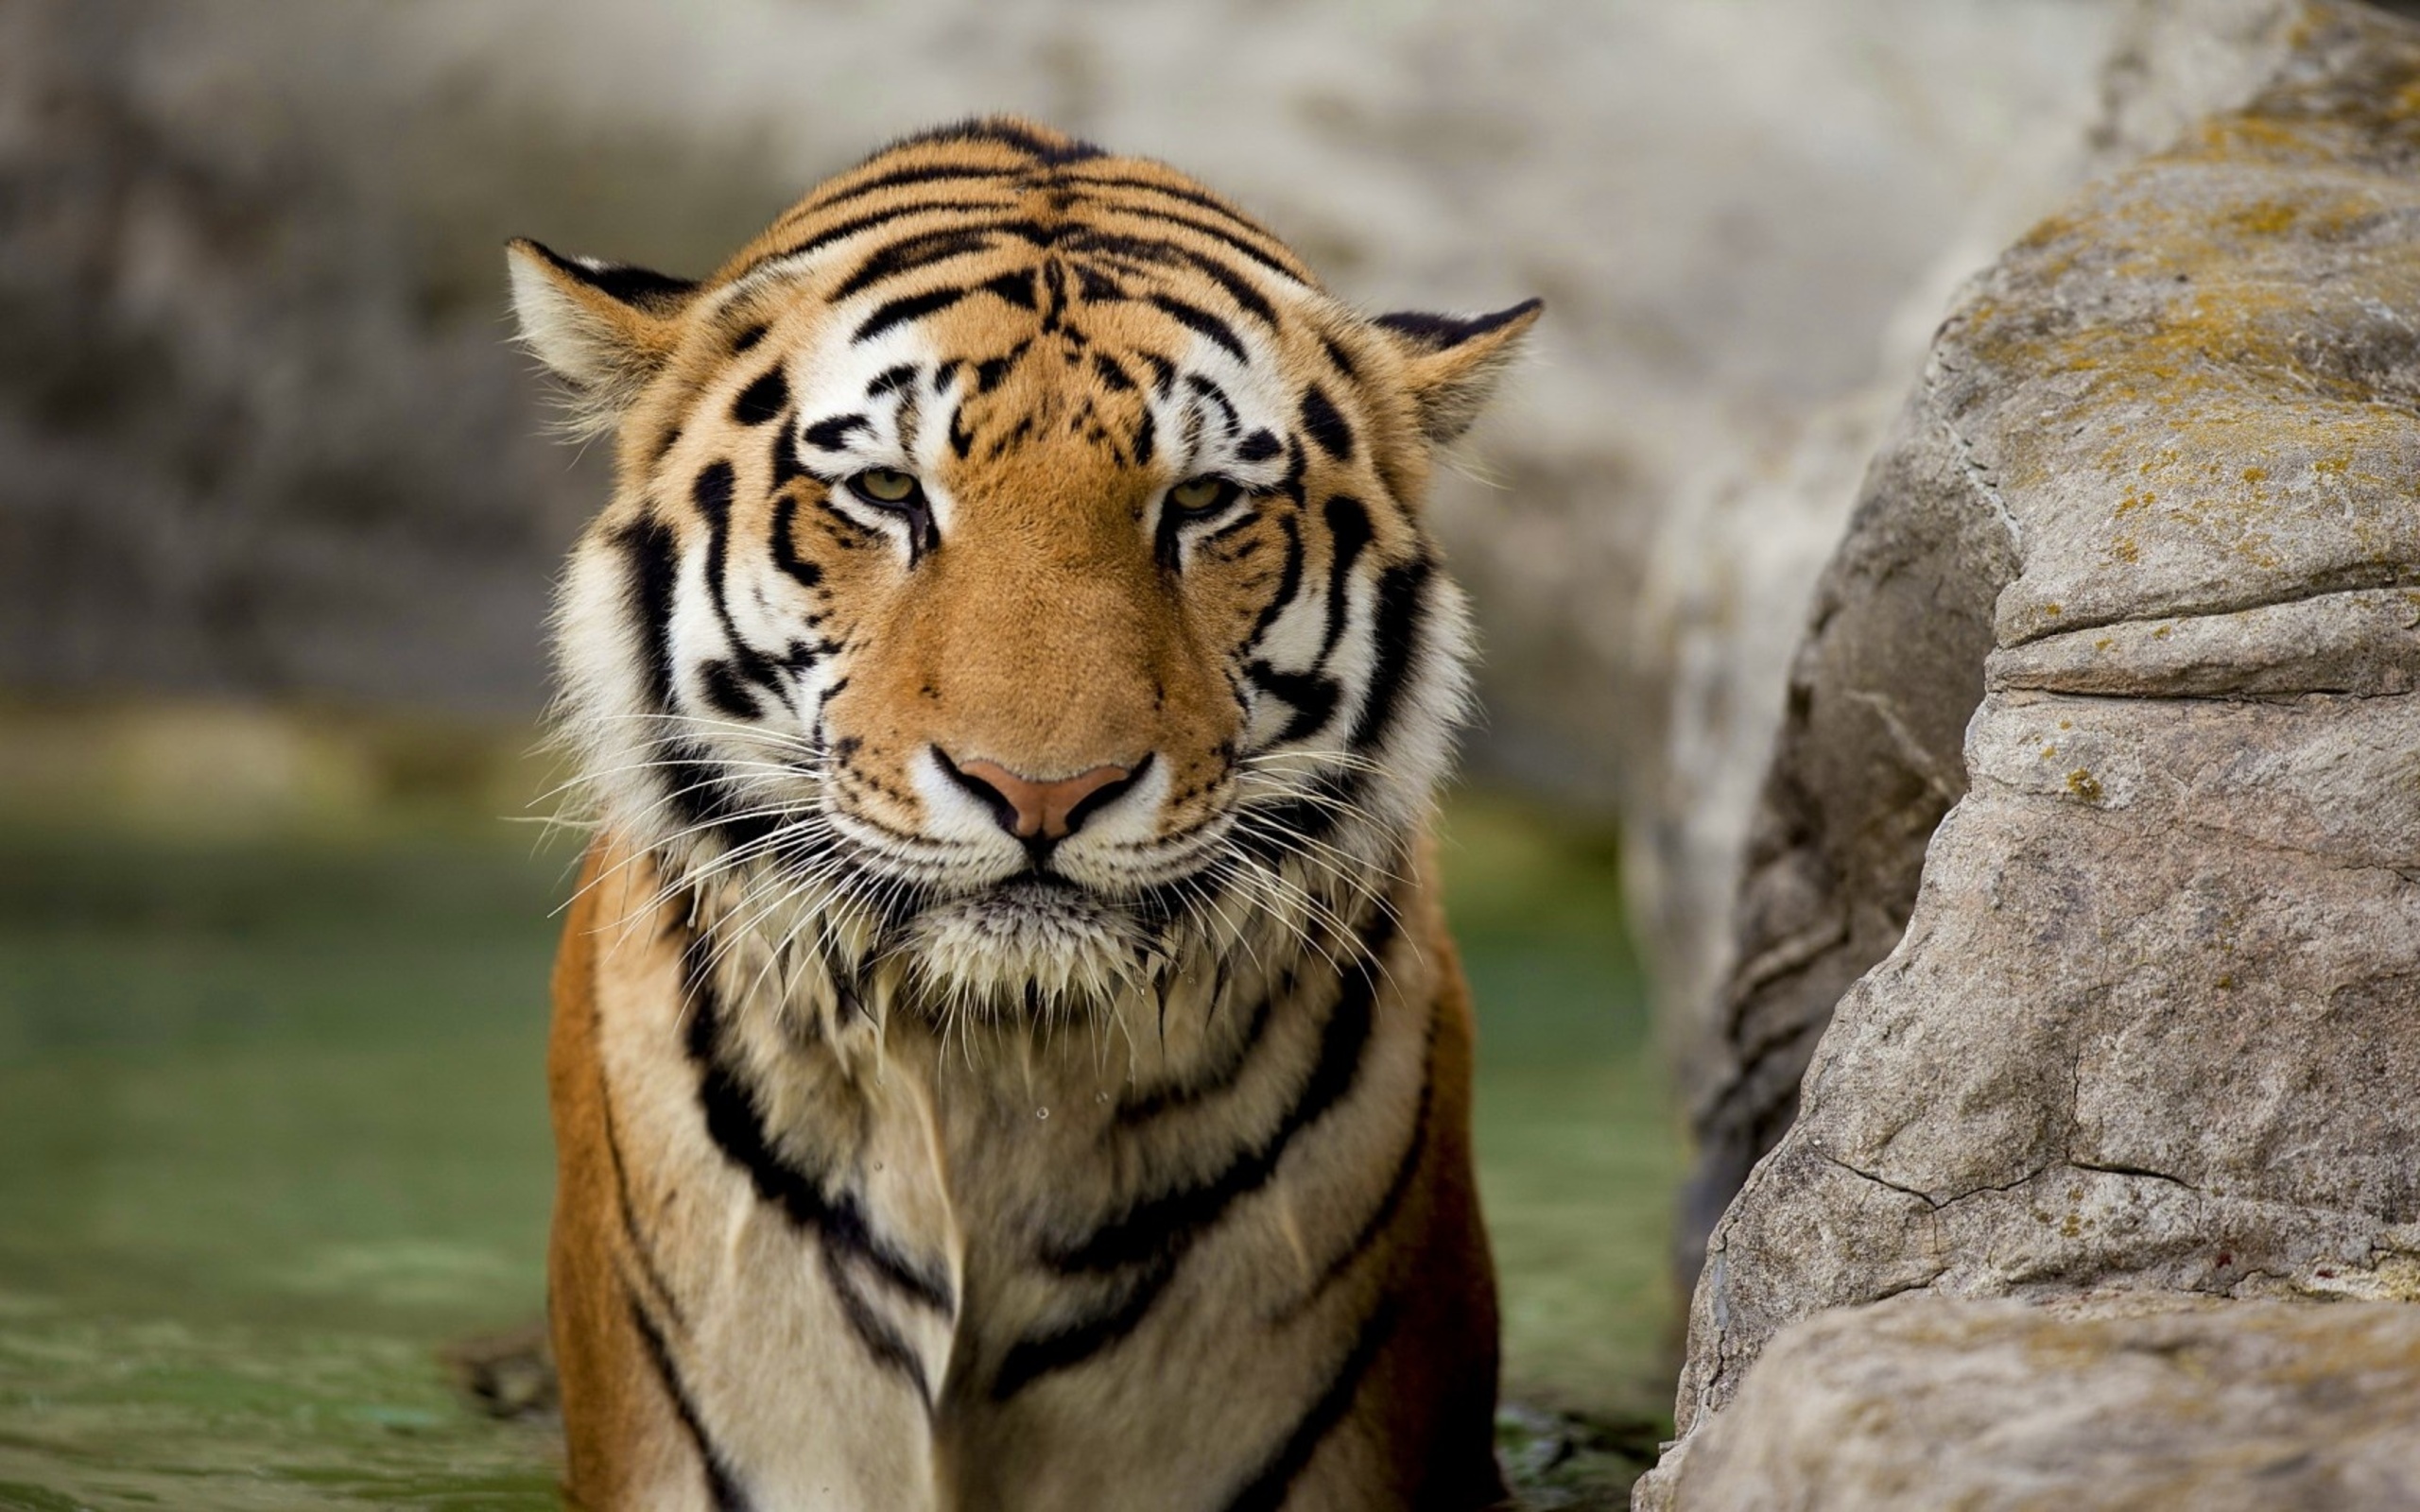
{"type": "Point", "coordinates": [2150, 1022]}
{"type": "Point", "coordinates": [1919, 1404]}
{"type": "Point", "coordinates": [1759, 905]}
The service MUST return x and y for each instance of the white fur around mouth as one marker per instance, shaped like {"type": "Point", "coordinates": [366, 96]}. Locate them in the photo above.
{"type": "Point", "coordinates": [1024, 937]}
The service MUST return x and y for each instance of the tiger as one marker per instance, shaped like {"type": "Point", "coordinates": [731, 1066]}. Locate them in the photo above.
{"type": "Point", "coordinates": [1007, 1050]}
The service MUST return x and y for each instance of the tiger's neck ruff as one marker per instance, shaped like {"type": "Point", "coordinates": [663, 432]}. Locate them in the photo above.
{"type": "Point", "coordinates": [1008, 1053]}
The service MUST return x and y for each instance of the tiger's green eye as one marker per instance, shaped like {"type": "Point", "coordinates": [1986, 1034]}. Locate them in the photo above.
{"type": "Point", "coordinates": [1201, 495]}
{"type": "Point", "coordinates": [884, 486]}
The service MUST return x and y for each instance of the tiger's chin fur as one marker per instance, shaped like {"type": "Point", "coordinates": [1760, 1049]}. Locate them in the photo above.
{"type": "Point", "coordinates": [1008, 1053]}
{"type": "Point", "coordinates": [1034, 948]}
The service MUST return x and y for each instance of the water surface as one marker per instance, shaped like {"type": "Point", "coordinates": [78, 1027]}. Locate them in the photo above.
{"type": "Point", "coordinates": [273, 1136]}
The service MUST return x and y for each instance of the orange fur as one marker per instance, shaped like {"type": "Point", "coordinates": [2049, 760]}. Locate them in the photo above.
{"type": "Point", "coordinates": [913, 1152]}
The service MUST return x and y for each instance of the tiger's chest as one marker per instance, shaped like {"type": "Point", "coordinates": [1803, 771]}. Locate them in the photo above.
{"type": "Point", "coordinates": [1094, 1267]}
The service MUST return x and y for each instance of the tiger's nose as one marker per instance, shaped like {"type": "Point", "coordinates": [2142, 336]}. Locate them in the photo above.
{"type": "Point", "coordinates": [1039, 812]}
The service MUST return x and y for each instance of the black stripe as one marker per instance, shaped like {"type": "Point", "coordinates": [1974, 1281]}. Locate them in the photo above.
{"type": "Point", "coordinates": [1096, 287]}
{"type": "Point", "coordinates": [655, 575]}
{"type": "Point", "coordinates": [1390, 1202]}
{"type": "Point", "coordinates": [748, 338]}
{"type": "Point", "coordinates": [1237, 526]}
{"type": "Point", "coordinates": [1015, 286]}
{"type": "Point", "coordinates": [723, 1488]}
{"type": "Point", "coordinates": [905, 308]}
{"type": "Point", "coordinates": [928, 173]}
{"type": "Point", "coordinates": [1298, 466]}
{"type": "Point", "coordinates": [1031, 1358]}
{"type": "Point", "coordinates": [787, 467]}
{"type": "Point", "coordinates": [1238, 289]}
{"type": "Point", "coordinates": [1207, 389]}
{"type": "Point", "coordinates": [1258, 447]}
{"type": "Point", "coordinates": [642, 1250]}
{"type": "Point", "coordinates": [1191, 196]}
{"type": "Point", "coordinates": [1160, 1226]}
{"type": "Point", "coordinates": [762, 400]}
{"type": "Point", "coordinates": [1348, 528]}
{"type": "Point", "coordinates": [1403, 603]}
{"type": "Point", "coordinates": [701, 801]}
{"type": "Point", "coordinates": [1033, 234]}
{"type": "Point", "coordinates": [1333, 432]}
{"type": "Point", "coordinates": [1290, 582]}
{"type": "Point", "coordinates": [1146, 438]}
{"type": "Point", "coordinates": [909, 253]}
{"type": "Point", "coordinates": [711, 491]}
{"type": "Point", "coordinates": [1314, 695]}
{"type": "Point", "coordinates": [1441, 332]}
{"type": "Point", "coordinates": [1215, 1081]}
{"type": "Point", "coordinates": [712, 494]}
{"type": "Point", "coordinates": [872, 1330]}
{"type": "Point", "coordinates": [736, 1127]}
{"type": "Point", "coordinates": [846, 229]}
{"type": "Point", "coordinates": [1343, 359]}
{"type": "Point", "coordinates": [891, 379]}
{"type": "Point", "coordinates": [1274, 262]}
{"type": "Point", "coordinates": [1159, 249]}
{"type": "Point", "coordinates": [1002, 132]}
{"type": "Point", "coordinates": [1200, 319]}
{"type": "Point", "coordinates": [785, 555]}
{"type": "Point", "coordinates": [1312, 816]}
{"type": "Point", "coordinates": [992, 371]}
{"type": "Point", "coordinates": [639, 287]}
{"type": "Point", "coordinates": [725, 691]}
{"type": "Point", "coordinates": [831, 433]}
{"type": "Point", "coordinates": [1275, 1481]}
{"type": "Point", "coordinates": [1115, 376]}
{"type": "Point", "coordinates": [1151, 1236]}
{"type": "Point", "coordinates": [1054, 283]}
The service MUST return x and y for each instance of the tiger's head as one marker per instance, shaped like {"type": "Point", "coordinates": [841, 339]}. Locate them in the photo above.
{"type": "Point", "coordinates": [1016, 586]}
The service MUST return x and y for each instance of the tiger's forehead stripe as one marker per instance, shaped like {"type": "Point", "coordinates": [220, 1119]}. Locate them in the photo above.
{"type": "Point", "coordinates": [1066, 168]}
{"type": "Point", "coordinates": [1127, 221]}
{"type": "Point", "coordinates": [941, 156]}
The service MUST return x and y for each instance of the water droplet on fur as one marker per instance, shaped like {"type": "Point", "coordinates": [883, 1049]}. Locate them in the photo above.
{"type": "Point", "coordinates": [1041, 1113]}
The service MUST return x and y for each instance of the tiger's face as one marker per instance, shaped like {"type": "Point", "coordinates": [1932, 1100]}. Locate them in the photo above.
{"type": "Point", "coordinates": [1015, 586]}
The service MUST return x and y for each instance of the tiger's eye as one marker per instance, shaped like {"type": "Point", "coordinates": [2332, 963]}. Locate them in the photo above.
{"type": "Point", "coordinates": [1196, 494]}
{"type": "Point", "coordinates": [884, 486]}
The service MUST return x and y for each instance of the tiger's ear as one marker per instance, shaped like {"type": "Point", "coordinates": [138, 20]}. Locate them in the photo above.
{"type": "Point", "coordinates": [1452, 362]}
{"type": "Point", "coordinates": [602, 328]}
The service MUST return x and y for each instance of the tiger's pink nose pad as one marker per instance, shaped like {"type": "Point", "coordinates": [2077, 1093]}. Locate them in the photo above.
{"type": "Point", "coordinates": [1040, 811]}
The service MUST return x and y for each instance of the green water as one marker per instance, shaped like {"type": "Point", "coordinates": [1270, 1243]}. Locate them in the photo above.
{"type": "Point", "coordinates": [272, 1135]}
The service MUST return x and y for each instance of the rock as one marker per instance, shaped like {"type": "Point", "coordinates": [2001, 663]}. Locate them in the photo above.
{"type": "Point", "coordinates": [1866, 759]}
{"type": "Point", "coordinates": [1917, 1403]}
{"type": "Point", "coordinates": [1742, 987]}
{"type": "Point", "coordinates": [2148, 1026]}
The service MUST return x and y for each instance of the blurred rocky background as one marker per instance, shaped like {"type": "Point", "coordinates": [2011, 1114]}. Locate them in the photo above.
{"type": "Point", "coordinates": [260, 433]}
